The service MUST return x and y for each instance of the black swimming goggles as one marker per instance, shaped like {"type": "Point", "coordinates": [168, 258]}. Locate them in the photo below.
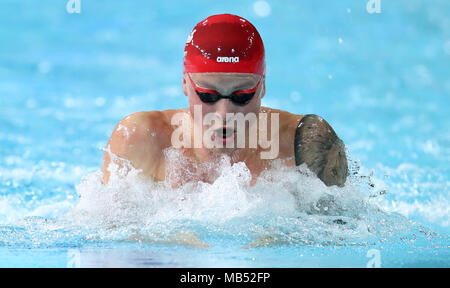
{"type": "Point", "coordinates": [240, 97]}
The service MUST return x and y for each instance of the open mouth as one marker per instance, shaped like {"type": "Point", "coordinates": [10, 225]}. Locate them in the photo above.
{"type": "Point", "coordinates": [224, 134]}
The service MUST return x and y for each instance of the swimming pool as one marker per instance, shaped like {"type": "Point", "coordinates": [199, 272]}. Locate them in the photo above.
{"type": "Point", "coordinates": [381, 80]}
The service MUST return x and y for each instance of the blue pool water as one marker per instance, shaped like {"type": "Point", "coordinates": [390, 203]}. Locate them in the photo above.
{"type": "Point", "coordinates": [381, 80]}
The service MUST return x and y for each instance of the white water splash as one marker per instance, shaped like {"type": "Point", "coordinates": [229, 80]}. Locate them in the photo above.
{"type": "Point", "coordinates": [286, 205]}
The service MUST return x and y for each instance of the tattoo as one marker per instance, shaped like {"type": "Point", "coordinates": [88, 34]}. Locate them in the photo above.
{"type": "Point", "coordinates": [317, 145]}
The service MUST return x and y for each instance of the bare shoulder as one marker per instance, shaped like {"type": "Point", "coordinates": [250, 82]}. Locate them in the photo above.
{"type": "Point", "coordinates": [312, 141]}
{"type": "Point", "coordinates": [287, 119]}
{"type": "Point", "coordinates": [137, 128]}
{"type": "Point", "coordinates": [143, 131]}
{"type": "Point", "coordinates": [140, 138]}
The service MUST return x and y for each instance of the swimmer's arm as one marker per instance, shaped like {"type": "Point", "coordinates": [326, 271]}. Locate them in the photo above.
{"type": "Point", "coordinates": [134, 140]}
{"type": "Point", "coordinates": [317, 145]}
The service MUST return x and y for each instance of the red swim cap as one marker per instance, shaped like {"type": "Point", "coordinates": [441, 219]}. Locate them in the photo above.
{"type": "Point", "coordinates": [224, 43]}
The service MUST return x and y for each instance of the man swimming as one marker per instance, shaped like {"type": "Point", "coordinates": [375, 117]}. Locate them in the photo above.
{"type": "Point", "coordinates": [224, 74]}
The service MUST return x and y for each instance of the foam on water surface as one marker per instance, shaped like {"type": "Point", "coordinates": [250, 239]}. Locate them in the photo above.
{"type": "Point", "coordinates": [286, 206]}
{"type": "Point", "coordinates": [287, 210]}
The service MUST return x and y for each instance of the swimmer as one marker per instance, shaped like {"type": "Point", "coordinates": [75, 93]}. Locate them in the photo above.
{"type": "Point", "coordinates": [224, 74]}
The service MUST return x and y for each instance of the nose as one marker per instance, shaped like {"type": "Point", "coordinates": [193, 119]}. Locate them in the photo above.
{"type": "Point", "coordinates": [223, 106]}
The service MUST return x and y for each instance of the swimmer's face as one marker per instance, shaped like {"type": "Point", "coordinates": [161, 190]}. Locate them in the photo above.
{"type": "Point", "coordinates": [224, 84]}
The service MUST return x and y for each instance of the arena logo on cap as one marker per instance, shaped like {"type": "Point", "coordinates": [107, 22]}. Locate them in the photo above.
{"type": "Point", "coordinates": [221, 59]}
